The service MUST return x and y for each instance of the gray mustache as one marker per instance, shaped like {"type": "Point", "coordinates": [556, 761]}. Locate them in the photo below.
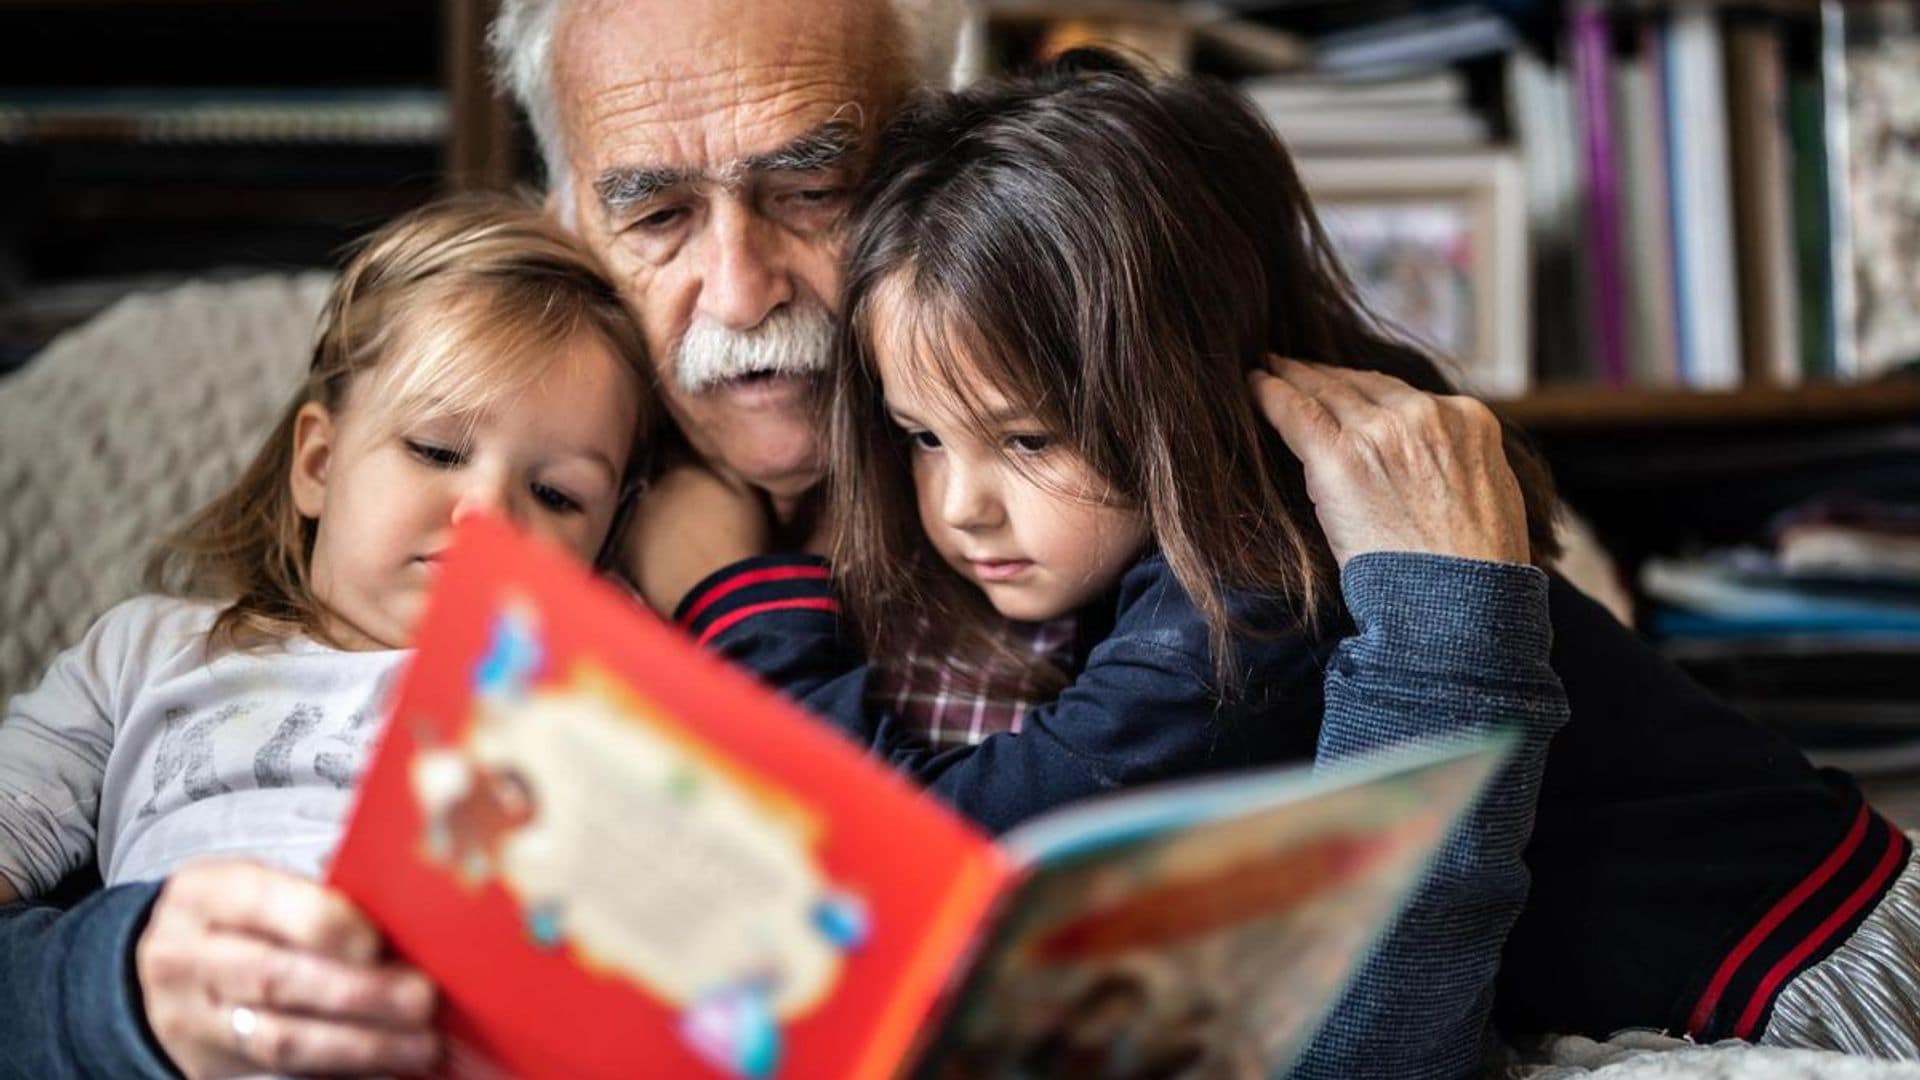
{"type": "Point", "coordinates": [792, 340]}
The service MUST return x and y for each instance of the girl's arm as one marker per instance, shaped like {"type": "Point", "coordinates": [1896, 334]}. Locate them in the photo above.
{"type": "Point", "coordinates": [54, 743]}
{"type": "Point", "coordinates": [1144, 707]}
{"type": "Point", "coordinates": [1442, 647]}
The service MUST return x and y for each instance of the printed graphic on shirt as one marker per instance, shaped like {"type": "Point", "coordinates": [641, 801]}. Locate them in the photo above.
{"type": "Point", "coordinates": [243, 745]}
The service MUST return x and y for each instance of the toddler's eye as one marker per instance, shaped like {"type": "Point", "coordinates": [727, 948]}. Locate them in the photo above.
{"type": "Point", "coordinates": [923, 440]}
{"type": "Point", "coordinates": [556, 500]}
{"type": "Point", "coordinates": [440, 457]}
{"type": "Point", "coordinates": [1030, 444]}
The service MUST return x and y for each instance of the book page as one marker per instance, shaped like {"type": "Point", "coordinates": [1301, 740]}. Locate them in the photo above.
{"type": "Point", "coordinates": [1200, 931]}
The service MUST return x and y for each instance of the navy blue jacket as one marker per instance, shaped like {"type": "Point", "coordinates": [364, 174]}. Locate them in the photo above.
{"type": "Point", "coordinates": [1144, 706]}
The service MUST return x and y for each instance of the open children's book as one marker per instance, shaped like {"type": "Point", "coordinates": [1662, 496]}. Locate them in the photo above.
{"type": "Point", "coordinates": [619, 856]}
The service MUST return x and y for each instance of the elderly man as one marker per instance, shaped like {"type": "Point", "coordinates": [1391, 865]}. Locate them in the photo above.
{"type": "Point", "coordinates": [707, 150]}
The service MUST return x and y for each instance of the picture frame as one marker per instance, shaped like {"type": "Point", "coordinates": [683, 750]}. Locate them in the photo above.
{"type": "Point", "coordinates": [1436, 246]}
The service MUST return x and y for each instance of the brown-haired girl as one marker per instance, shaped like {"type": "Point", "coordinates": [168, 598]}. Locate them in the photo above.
{"type": "Point", "coordinates": [1058, 288]}
{"type": "Point", "coordinates": [472, 358]}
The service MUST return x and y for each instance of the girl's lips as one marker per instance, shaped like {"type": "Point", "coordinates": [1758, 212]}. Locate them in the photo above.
{"type": "Point", "coordinates": [1000, 569]}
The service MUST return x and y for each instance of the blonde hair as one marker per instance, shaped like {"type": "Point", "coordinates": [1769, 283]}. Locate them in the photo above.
{"type": "Point", "coordinates": [478, 293]}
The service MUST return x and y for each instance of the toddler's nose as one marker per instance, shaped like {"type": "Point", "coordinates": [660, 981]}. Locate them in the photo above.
{"type": "Point", "coordinates": [484, 496]}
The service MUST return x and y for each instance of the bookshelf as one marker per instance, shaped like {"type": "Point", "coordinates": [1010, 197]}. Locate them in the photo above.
{"type": "Point", "coordinates": [147, 140]}
{"type": "Point", "coordinates": [1591, 409]}
{"type": "Point", "coordinates": [1713, 198]}
{"type": "Point", "coordinates": [1725, 319]}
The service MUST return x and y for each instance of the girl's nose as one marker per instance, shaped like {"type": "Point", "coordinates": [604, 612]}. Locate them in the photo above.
{"type": "Point", "coordinates": [970, 500]}
{"type": "Point", "coordinates": [485, 495]}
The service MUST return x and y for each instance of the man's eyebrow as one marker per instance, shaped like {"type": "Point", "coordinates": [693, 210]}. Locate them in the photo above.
{"type": "Point", "coordinates": [620, 188]}
{"type": "Point", "coordinates": [623, 187]}
{"type": "Point", "coordinates": [822, 148]}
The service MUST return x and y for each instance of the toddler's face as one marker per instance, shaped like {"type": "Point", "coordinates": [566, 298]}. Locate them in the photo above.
{"type": "Point", "coordinates": [1013, 510]}
{"type": "Point", "coordinates": [549, 460]}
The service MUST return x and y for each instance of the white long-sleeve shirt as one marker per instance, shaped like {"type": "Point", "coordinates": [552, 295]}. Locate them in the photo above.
{"type": "Point", "coordinates": [145, 749]}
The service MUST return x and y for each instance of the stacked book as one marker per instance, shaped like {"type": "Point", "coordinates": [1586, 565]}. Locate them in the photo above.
{"type": "Point", "coordinates": [1723, 195]}
{"type": "Point", "coordinates": [1391, 85]}
{"type": "Point", "coordinates": [1817, 632]}
{"type": "Point", "coordinates": [1423, 208]}
{"type": "Point", "coordinates": [1322, 113]}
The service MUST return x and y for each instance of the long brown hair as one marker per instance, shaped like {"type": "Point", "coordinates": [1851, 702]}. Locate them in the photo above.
{"type": "Point", "coordinates": [478, 294]}
{"type": "Point", "coordinates": [1117, 251]}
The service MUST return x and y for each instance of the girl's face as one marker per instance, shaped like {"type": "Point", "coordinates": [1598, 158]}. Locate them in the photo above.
{"type": "Point", "coordinates": [550, 461]}
{"type": "Point", "coordinates": [1015, 511]}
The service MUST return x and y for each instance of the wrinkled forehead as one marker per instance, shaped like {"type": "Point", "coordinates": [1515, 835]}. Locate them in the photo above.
{"type": "Point", "coordinates": [704, 85]}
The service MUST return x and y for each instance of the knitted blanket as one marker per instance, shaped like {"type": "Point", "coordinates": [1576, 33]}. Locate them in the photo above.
{"type": "Point", "coordinates": [119, 428]}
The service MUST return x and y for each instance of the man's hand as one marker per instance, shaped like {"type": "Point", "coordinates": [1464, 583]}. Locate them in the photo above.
{"type": "Point", "coordinates": [1391, 468]}
{"type": "Point", "coordinates": [690, 523]}
{"type": "Point", "coordinates": [244, 969]}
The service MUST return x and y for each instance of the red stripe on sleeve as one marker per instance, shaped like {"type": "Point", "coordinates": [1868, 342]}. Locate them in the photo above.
{"type": "Point", "coordinates": [752, 577]}
{"type": "Point", "coordinates": [1703, 1010]}
{"type": "Point", "coordinates": [1758, 1003]}
{"type": "Point", "coordinates": [795, 603]}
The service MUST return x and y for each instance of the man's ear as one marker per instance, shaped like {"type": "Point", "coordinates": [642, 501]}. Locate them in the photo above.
{"type": "Point", "coordinates": [313, 443]}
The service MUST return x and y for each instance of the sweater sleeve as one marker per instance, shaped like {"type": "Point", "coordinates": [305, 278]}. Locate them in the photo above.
{"type": "Point", "coordinates": [1442, 648]}
{"type": "Point", "coordinates": [1142, 709]}
{"type": "Point", "coordinates": [54, 745]}
{"type": "Point", "coordinates": [69, 1003]}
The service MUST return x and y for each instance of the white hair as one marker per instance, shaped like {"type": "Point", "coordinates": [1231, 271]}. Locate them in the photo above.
{"type": "Point", "coordinates": [521, 40]}
{"type": "Point", "coordinates": [792, 340]}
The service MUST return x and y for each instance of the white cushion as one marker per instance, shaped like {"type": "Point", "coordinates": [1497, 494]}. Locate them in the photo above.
{"type": "Point", "coordinates": [122, 426]}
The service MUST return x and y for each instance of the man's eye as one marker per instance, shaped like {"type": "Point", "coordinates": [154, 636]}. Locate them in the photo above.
{"type": "Point", "coordinates": [556, 500]}
{"type": "Point", "coordinates": [440, 457]}
{"type": "Point", "coordinates": [923, 440]}
{"type": "Point", "coordinates": [1030, 444]}
{"type": "Point", "coordinates": [818, 196]}
{"type": "Point", "coordinates": [659, 220]}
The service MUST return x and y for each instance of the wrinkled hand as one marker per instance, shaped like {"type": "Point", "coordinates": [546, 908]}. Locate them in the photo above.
{"type": "Point", "coordinates": [295, 956]}
{"type": "Point", "coordinates": [690, 523]}
{"type": "Point", "coordinates": [1391, 468]}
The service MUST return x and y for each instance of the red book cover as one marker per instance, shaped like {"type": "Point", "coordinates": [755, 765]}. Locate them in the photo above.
{"type": "Point", "coordinates": [619, 856]}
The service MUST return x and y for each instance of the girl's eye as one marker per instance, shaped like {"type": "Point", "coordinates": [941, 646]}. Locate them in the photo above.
{"type": "Point", "coordinates": [1030, 444]}
{"type": "Point", "coordinates": [556, 500]}
{"type": "Point", "coordinates": [440, 457]}
{"type": "Point", "coordinates": [923, 440]}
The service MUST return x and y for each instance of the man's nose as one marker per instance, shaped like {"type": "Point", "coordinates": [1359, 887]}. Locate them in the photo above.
{"type": "Point", "coordinates": [746, 275]}
{"type": "Point", "coordinates": [970, 499]}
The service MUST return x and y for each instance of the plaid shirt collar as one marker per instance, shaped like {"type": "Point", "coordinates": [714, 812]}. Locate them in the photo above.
{"type": "Point", "coordinates": [950, 705]}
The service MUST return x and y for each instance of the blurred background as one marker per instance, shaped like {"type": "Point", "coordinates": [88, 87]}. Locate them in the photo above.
{"type": "Point", "coordinates": [1678, 241]}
